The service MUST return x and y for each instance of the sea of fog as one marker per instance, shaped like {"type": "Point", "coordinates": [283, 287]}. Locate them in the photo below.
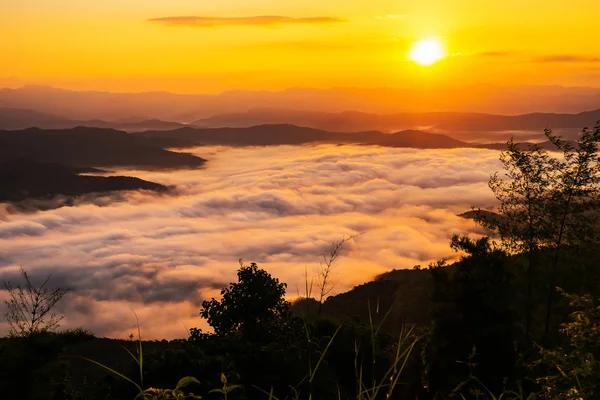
{"type": "Point", "coordinates": [281, 207]}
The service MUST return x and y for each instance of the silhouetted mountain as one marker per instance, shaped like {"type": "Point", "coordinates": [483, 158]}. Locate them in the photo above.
{"type": "Point", "coordinates": [90, 147]}
{"type": "Point", "coordinates": [524, 145]}
{"type": "Point", "coordinates": [266, 135]}
{"type": "Point", "coordinates": [145, 125]}
{"type": "Point", "coordinates": [15, 119]}
{"type": "Point", "coordinates": [185, 108]}
{"type": "Point", "coordinates": [446, 121]}
{"type": "Point", "coordinates": [22, 180]}
{"type": "Point", "coordinates": [404, 293]}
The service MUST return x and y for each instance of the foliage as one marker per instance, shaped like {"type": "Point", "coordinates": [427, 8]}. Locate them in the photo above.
{"type": "Point", "coordinates": [30, 309]}
{"type": "Point", "coordinates": [522, 223]}
{"type": "Point", "coordinates": [32, 368]}
{"type": "Point", "coordinates": [473, 321]}
{"type": "Point", "coordinates": [548, 204]}
{"type": "Point", "coordinates": [226, 389]}
{"type": "Point", "coordinates": [254, 306]}
{"type": "Point", "coordinates": [167, 394]}
{"type": "Point", "coordinates": [575, 368]}
{"type": "Point", "coordinates": [321, 358]}
{"type": "Point", "coordinates": [151, 393]}
{"type": "Point", "coordinates": [574, 202]}
{"type": "Point", "coordinates": [545, 200]}
{"type": "Point", "coordinates": [325, 273]}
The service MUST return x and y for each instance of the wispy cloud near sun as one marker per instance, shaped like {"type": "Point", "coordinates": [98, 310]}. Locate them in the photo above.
{"type": "Point", "coordinates": [262, 20]}
{"type": "Point", "coordinates": [495, 54]}
{"type": "Point", "coordinates": [567, 58]}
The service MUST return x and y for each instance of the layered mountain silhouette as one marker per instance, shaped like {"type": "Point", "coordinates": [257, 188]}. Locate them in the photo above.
{"type": "Point", "coordinates": [15, 119]}
{"type": "Point", "coordinates": [99, 147]}
{"type": "Point", "coordinates": [463, 126]}
{"type": "Point", "coordinates": [90, 105]}
{"type": "Point", "coordinates": [285, 134]}
{"type": "Point", "coordinates": [90, 147]}
{"type": "Point", "coordinates": [443, 121]}
{"type": "Point", "coordinates": [23, 180]}
{"type": "Point", "coordinates": [267, 135]}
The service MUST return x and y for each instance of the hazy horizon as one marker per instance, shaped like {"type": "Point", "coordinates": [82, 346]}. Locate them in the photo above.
{"type": "Point", "coordinates": [16, 83]}
{"type": "Point", "coordinates": [487, 99]}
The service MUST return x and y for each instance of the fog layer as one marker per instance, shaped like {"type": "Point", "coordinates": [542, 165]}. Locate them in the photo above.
{"type": "Point", "coordinates": [279, 206]}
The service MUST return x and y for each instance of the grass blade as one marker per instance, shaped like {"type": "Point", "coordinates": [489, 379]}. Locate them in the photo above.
{"type": "Point", "coordinates": [113, 372]}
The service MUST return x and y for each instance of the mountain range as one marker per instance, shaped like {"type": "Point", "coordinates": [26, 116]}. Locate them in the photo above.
{"type": "Point", "coordinates": [267, 135]}
{"type": "Point", "coordinates": [286, 134]}
{"type": "Point", "coordinates": [16, 118]}
{"type": "Point", "coordinates": [92, 105]}
{"type": "Point", "coordinates": [25, 180]}
{"type": "Point", "coordinates": [437, 121]}
{"type": "Point", "coordinates": [90, 147]}
{"type": "Point", "coordinates": [464, 126]}
{"type": "Point", "coordinates": [98, 147]}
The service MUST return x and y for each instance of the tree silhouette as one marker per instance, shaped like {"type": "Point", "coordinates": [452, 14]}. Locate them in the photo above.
{"type": "Point", "coordinates": [523, 224]}
{"type": "Point", "coordinates": [574, 202]}
{"type": "Point", "coordinates": [30, 309]}
{"type": "Point", "coordinates": [548, 205]}
{"type": "Point", "coordinates": [473, 320]}
{"type": "Point", "coordinates": [253, 307]}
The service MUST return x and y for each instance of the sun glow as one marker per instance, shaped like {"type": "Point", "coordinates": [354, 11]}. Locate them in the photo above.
{"type": "Point", "coordinates": [427, 51]}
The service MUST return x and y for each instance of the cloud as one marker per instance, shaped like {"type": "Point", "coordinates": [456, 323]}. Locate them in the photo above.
{"type": "Point", "coordinates": [495, 54]}
{"type": "Point", "coordinates": [278, 206]}
{"type": "Point", "coordinates": [485, 54]}
{"type": "Point", "coordinates": [391, 16]}
{"type": "Point", "coordinates": [264, 20]}
{"type": "Point", "coordinates": [21, 228]}
{"type": "Point", "coordinates": [567, 58]}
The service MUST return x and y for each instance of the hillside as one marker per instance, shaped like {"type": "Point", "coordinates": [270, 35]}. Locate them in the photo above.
{"type": "Point", "coordinates": [90, 147]}
{"type": "Point", "coordinates": [405, 294]}
{"type": "Point", "coordinates": [446, 121]}
{"type": "Point", "coordinates": [18, 119]}
{"type": "Point", "coordinates": [266, 135]}
{"type": "Point", "coordinates": [23, 180]}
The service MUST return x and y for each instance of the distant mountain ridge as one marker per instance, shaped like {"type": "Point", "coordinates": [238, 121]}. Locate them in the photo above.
{"type": "Point", "coordinates": [18, 119]}
{"type": "Point", "coordinates": [90, 147]}
{"type": "Point", "coordinates": [92, 105]}
{"type": "Point", "coordinates": [24, 180]}
{"type": "Point", "coordinates": [444, 121]}
{"type": "Point", "coordinates": [463, 126]}
{"type": "Point", "coordinates": [285, 134]}
{"type": "Point", "coordinates": [99, 147]}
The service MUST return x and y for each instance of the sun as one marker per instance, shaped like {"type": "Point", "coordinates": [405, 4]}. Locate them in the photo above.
{"type": "Point", "coordinates": [427, 51]}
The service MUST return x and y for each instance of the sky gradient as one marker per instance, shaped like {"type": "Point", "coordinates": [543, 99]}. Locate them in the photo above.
{"type": "Point", "coordinates": [205, 47]}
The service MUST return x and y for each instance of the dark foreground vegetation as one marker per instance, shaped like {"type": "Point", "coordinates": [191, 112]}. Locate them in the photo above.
{"type": "Point", "coordinates": [516, 318]}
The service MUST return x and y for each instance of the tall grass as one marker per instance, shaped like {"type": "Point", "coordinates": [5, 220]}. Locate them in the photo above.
{"type": "Point", "coordinates": [376, 388]}
{"type": "Point", "coordinates": [154, 393]}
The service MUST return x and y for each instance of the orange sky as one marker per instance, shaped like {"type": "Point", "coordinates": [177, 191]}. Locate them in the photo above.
{"type": "Point", "coordinates": [230, 44]}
